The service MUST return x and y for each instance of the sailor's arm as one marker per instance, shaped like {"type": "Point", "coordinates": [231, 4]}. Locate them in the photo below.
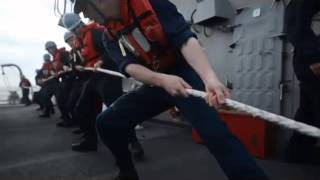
{"type": "Point", "coordinates": [198, 60]}
{"type": "Point", "coordinates": [180, 35]}
{"type": "Point", "coordinates": [174, 85]}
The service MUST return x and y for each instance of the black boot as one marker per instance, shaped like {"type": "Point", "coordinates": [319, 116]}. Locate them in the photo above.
{"type": "Point", "coordinates": [52, 111]}
{"type": "Point", "coordinates": [85, 146]}
{"type": "Point", "coordinates": [64, 124]}
{"type": "Point", "coordinates": [253, 178]}
{"type": "Point", "coordinates": [45, 115]}
{"type": "Point", "coordinates": [137, 150]}
{"type": "Point", "coordinates": [77, 131]}
{"type": "Point", "coordinates": [122, 176]}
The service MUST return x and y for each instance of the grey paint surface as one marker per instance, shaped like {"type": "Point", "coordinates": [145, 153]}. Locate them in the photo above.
{"type": "Point", "coordinates": [212, 10]}
{"type": "Point", "coordinates": [256, 65]}
{"type": "Point", "coordinates": [257, 44]}
{"type": "Point", "coordinates": [257, 60]}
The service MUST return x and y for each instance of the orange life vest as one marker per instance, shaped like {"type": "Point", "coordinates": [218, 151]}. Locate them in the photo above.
{"type": "Point", "coordinates": [57, 61]}
{"type": "Point", "coordinates": [78, 44]}
{"type": "Point", "coordinates": [47, 68]}
{"type": "Point", "coordinates": [138, 16]}
{"type": "Point", "coordinates": [90, 54]}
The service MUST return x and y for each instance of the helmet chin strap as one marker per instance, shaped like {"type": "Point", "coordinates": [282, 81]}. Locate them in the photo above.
{"type": "Point", "coordinates": [102, 16]}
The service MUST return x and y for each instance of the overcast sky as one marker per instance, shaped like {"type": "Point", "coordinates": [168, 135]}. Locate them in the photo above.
{"type": "Point", "coordinates": [25, 26]}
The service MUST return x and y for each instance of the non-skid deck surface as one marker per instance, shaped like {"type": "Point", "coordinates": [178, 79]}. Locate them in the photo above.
{"type": "Point", "coordinates": [33, 148]}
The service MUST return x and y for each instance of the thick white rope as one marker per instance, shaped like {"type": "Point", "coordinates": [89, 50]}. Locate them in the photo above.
{"type": "Point", "coordinates": [270, 117]}
{"type": "Point", "coordinates": [105, 71]}
{"type": "Point", "coordinates": [58, 75]}
{"type": "Point", "coordinates": [267, 116]}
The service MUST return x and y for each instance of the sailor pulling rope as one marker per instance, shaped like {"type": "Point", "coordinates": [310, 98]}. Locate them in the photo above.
{"type": "Point", "coordinates": [267, 116]}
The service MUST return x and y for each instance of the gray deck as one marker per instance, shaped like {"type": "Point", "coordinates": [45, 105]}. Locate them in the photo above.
{"type": "Point", "coordinates": [33, 148]}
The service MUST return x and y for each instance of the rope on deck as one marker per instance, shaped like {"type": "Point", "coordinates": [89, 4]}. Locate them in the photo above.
{"type": "Point", "coordinates": [267, 116]}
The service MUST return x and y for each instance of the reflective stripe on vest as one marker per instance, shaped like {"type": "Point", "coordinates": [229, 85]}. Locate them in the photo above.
{"type": "Point", "coordinates": [47, 68]}
{"type": "Point", "coordinates": [90, 54]}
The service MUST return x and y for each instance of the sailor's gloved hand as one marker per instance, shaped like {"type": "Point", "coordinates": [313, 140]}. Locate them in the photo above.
{"type": "Point", "coordinates": [66, 68]}
{"type": "Point", "coordinates": [54, 74]}
{"type": "Point", "coordinates": [98, 65]}
{"type": "Point", "coordinates": [79, 68]}
{"type": "Point", "coordinates": [45, 72]}
{"type": "Point", "coordinates": [40, 81]}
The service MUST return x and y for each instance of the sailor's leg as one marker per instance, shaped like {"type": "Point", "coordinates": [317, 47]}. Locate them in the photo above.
{"type": "Point", "coordinates": [115, 124]}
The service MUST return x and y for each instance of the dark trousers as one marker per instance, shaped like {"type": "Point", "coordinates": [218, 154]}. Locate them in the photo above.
{"type": "Point", "coordinates": [62, 95]}
{"type": "Point", "coordinates": [95, 91]}
{"type": "Point", "coordinates": [25, 96]}
{"type": "Point", "coordinates": [36, 98]}
{"type": "Point", "coordinates": [301, 148]}
{"type": "Point", "coordinates": [41, 98]}
{"type": "Point", "coordinates": [75, 93]}
{"type": "Point", "coordinates": [48, 91]}
{"type": "Point", "coordinates": [116, 123]}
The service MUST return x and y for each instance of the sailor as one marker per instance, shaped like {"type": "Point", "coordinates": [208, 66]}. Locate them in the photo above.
{"type": "Point", "coordinates": [48, 87]}
{"type": "Point", "coordinates": [25, 86]}
{"type": "Point", "coordinates": [60, 63]}
{"type": "Point", "coordinates": [151, 41]}
{"type": "Point", "coordinates": [78, 78]}
{"type": "Point", "coordinates": [37, 95]}
{"type": "Point", "coordinates": [99, 88]}
{"type": "Point", "coordinates": [306, 63]}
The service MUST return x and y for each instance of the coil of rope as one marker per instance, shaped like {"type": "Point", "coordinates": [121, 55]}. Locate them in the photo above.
{"type": "Point", "coordinates": [267, 116]}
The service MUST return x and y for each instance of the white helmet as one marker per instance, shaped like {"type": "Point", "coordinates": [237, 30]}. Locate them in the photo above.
{"type": "Point", "coordinates": [71, 21]}
{"type": "Point", "coordinates": [50, 44]}
{"type": "Point", "coordinates": [46, 57]}
{"type": "Point", "coordinates": [68, 35]}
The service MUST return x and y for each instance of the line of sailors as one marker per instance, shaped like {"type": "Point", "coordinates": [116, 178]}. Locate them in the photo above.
{"type": "Point", "coordinates": [80, 94]}
{"type": "Point", "coordinates": [151, 41]}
